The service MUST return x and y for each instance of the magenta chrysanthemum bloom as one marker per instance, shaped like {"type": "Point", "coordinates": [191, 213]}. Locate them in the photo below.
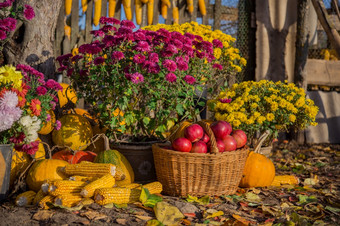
{"type": "Point", "coordinates": [177, 35]}
{"type": "Point", "coordinates": [69, 72]}
{"type": "Point", "coordinates": [8, 24]}
{"type": "Point", "coordinates": [5, 4]}
{"type": "Point", "coordinates": [99, 60]}
{"type": "Point", "coordinates": [53, 105]}
{"type": "Point", "coordinates": [217, 43]}
{"type": "Point", "coordinates": [190, 36]}
{"type": "Point", "coordinates": [217, 66]}
{"type": "Point", "coordinates": [89, 48]}
{"type": "Point", "coordinates": [18, 139]}
{"type": "Point", "coordinates": [48, 117]}
{"type": "Point", "coordinates": [117, 55]}
{"type": "Point", "coordinates": [3, 35]}
{"type": "Point", "coordinates": [177, 43]}
{"type": "Point", "coordinates": [124, 31]}
{"type": "Point", "coordinates": [97, 33]}
{"type": "Point", "coordinates": [30, 148]}
{"type": "Point", "coordinates": [106, 28]}
{"type": "Point", "coordinates": [200, 55]}
{"type": "Point", "coordinates": [171, 48]}
{"type": "Point", "coordinates": [142, 46]}
{"type": "Point", "coordinates": [153, 57]}
{"type": "Point", "coordinates": [28, 69]}
{"type": "Point", "coordinates": [108, 20]}
{"type": "Point", "coordinates": [51, 84]}
{"type": "Point", "coordinates": [41, 90]}
{"type": "Point", "coordinates": [153, 67]}
{"type": "Point", "coordinates": [188, 49]}
{"type": "Point", "coordinates": [127, 23]}
{"type": "Point", "coordinates": [137, 78]}
{"type": "Point", "coordinates": [127, 76]}
{"type": "Point", "coordinates": [225, 100]}
{"type": "Point", "coordinates": [170, 65]}
{"type": "Point", "coordinates": [139, 36]}
{"type": "Point", "coordinates": [139, 58]}
{"type": "Point", "coordinates": [29, 12]}
{"type": "Point", "coordinates": [57, 125]}
{"type": "Point", "coordinates": [189, 79]}
{"type": "Point", "coordinates": [171, 77]}
{"type": "Point", "coordinates": [64, 59]}
{"type": "Point", "coordinates": [182, 66]}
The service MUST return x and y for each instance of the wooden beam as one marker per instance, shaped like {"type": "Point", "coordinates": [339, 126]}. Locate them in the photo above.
{"type": "Point", "coordinates": [74, 23]}
{"type": "Point", "coordinates": [323, 72]}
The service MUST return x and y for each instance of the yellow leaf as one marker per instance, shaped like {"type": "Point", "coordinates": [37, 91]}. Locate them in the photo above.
{"type": "Point", "coordinates": [242, 220]}
{"type": "Point", "coordinates": [167, 214]}
{"type": "Point", "coordinates": [145, 218]}
{"type": "Point", "coordinates": [153, 222]}
{"type": "Point", "coordinates": [216, 214]}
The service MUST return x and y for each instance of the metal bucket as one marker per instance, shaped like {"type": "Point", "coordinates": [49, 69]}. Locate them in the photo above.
{"type": "Point", "coordinates": [141, 159]}
{"type": "Point", "coordinates": [5, 169]}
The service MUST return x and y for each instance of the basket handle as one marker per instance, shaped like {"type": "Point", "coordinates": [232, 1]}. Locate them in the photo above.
{"type": "Point", "coordinates": [262, 138]}
{"type": "Point", "coordinates": [207, 129]}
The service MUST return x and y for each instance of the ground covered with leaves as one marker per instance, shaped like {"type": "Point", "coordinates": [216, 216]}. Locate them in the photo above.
{"type": "Point", "coordinates": [314, 201]}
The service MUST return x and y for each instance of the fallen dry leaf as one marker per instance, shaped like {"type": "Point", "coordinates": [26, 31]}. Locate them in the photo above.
{"type": "Point", "coordinates": [145, 218]}
{"type": "Point", "coordinates": [121, 221]}
{"type": "Point", "coordinates": [93, 215]}
{"type": "Point", "coordinates": [42, 215]}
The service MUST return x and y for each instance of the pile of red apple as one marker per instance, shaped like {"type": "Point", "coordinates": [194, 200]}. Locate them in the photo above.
{"type": "Point", "coordinates": [195, 140]}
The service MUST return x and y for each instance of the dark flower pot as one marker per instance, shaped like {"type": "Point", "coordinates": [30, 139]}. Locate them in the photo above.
{"type": "Point", "coordinates": [5, 169]}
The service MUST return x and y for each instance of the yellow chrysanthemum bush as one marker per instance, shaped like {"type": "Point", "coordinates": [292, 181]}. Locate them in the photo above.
{"type": "Point", "coordinates": [257, 107]}
{"type": "Point", "coordinates": [224, 51]}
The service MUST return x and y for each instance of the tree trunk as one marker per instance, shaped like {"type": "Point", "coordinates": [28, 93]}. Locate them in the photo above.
{"type": "Point", "coordinates": [32, 42]}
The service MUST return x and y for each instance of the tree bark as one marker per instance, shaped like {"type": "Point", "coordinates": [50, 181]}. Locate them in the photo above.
{"type": "Point", "coordinates": [32, 42]}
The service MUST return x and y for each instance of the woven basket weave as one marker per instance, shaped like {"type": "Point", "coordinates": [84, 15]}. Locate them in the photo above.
{"type": "Point", "coordinates": [198, 174]}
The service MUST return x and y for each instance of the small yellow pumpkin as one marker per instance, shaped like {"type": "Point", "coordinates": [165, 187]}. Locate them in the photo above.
{"type": "Point", "coordinates": [66, 95]}
{"type": "Point", "coordinates": [43, 170]}
{"type": "Point", "coordinates": [75, 132]}
{"type": "Point", "coordinates": [48, 126]}
{"type": "Point", "coordinates": [259, 171]}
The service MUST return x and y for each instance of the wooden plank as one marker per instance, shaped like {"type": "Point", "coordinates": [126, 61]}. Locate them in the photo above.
{"type": "Point", "coordinates": [144, 16]}
{"type": "Point", "coordinates": [205, 18]}
{"type": "Point", "coordinates": [74, 23]}
{"type": "Point", "coordinates": [118, 9]}
{"type": "Point", "coordinates": [104, 10]}
{"type": "Point", "coordinates": [181, 11]}
{"type": "Point", "coordinates": [193, 16]}
{"type": "Point", "coordinates": [323, 72]}
{"type": "Point", "coordinates": [156, 11]}
{"type": "Point", "coordinates": [59, 31]}
{"type": "Point", "coordinates": [169, 19]}
{"type": "Point", "coordinates": [217, 14]}
{"type": "Point", "coordinates": [88, 22]}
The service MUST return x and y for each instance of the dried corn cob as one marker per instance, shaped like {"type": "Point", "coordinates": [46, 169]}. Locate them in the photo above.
{"type": "Point", "coordinates": [86, 201]}
{"type": "Point", "coordinates": [107, 181]}
{"type": "Point", "coordinates": [82, 178]}
{"type": "Point", "coordinates": [150, 12]}
{"type": "Point", "coordinates": [67, 31]}
{"type": "Point", "coordinates": [84, 5]}
{"type": "Point", "coordinates": [68, 6]}
{"type": "Point", "coordinates": [112, 8]}
{"type": "Point", "coordinates": [127, 9]}
{"type": "Point", "coordinates": [284, 179]}
{"type": "Point", "coordinates": [175, 15]}
{"type": "Point", "coordinates": [138, 10]}
{"type": "Point", "coordinates": [131, 186]}
{"type": "Point", "coordinates": [202, 8]}
{"type": "Point", "coordinates": [97, 11]}
{"type": "Point", "coordinates": [154, 187]}
{"type": "Point", "coordinates": [25, 198]}
{"type": "Point", "coordinates": [68, 200]}
{"type": "Point", "coordinates": [117, 195]}
{"type": "Point", "coordinates": [47, 199]}
{"type": "Point", "coordinates": [164, 10]}
{"type": "Point", "coordinates": [38, 197]}
{"type": "Point", "coordinates": [90, 170]}
{"type": "Point", "coordinates": [145, 1]}
{"type": "Point", "coordinates": [190, 6]}
{"type": "Point", "coordinates": [65, 187]}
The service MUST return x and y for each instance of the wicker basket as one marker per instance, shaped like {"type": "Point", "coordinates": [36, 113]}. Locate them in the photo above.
{"type": "Point", "coordinates": [199, 174]}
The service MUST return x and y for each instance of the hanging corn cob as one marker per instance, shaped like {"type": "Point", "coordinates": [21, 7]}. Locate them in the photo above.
{"type": "Point", "coordinates": [44, 202]}
{"type": "Point", "coordinates": [68, 200]}
{"type": "Point", "coordinates": [67, 31]}
{"type": "Point", "coordinates": [25, 198]}
{"type": "Point", "coordinates": [117, 195]}
{"type": "Point", "coordinates": [90, 170]}
{"type": "Point", "coordinates": [112, 8]}
{"type": "Point", "coordinates": [127, 9]}
{"type": "Point", "coordinates": [150, 12]}
{"type": "Point", "coordinates": [38, 197]}
{"type": "Point", "coordinates": [154, 187]}
{"type": "Point", "coordinates": [138, 10]}
{"type": "Point", "coordinates": [65, 187]}
{"type": "Point", "coordinates": [107, 181]}
{"type": "Point", "coordinates": [190, 6]}
{"type": "Point", "coordinates": [83, 178]}
{"type": "Point", "coordinates": [175, 15]}
{"type": "Point", "coordinates": [84, 5]}
{"type": "Point", "coordinates": [68, 6]}
{"type": "Point", "coordinates": [164, 8]}
{"type": "Point", "coordinates": [86, 202]}
{"type": "Point", "coordinates": [202, 8]}
{"type": "Point", "coordinates": [97, 11]}
{"type": "Point", "coordinates": [145, 1]}
{"type": "Point", "coordinates": [131, 186]}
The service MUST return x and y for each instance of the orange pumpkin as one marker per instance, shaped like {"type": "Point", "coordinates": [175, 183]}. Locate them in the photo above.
{"type": "Point", "coordinates": [67, 95]}
{"type": "Point", "coordinates": [259, 171]}
{"type": "Point", "coordinates": [75, 158]}
{"type": "Point", "coordinates": [48, 126]}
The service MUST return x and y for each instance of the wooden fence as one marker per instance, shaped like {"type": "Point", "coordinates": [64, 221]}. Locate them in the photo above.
{"type": "Point", "coordinates": [64, 44]}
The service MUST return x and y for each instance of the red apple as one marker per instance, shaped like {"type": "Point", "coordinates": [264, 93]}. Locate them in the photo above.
{"type": "Point", "coordinates": [194, 132]}
{"type": "Point", "coordinates": [182, 144]}
{"type": "Point", "coordinates": [220, 145]}
{"type": "Point", "coordinates": [205, 138]}
{"type": "Point", "coordinates": [199, 147]}
{"type": "Point", "coordinates": [221, 129]}
{"type": "Point", "coordinates": [230, 143]}
{"type": "Point", "coordinates": [240, 137]}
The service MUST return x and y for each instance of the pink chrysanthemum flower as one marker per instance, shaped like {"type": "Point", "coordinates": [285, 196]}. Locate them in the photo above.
{"type": "Point", "coordinates": [218, 66]}
{"type": "Point", "coordinates": [29, 12]}
{"type": "Point", "coordinates": [57, 125]}
{"type": "Point", "coordinates": [189, 79]}
{"type": "Point", "coordinates": [117, 55]}
{"type": "Point", "coordinates": [139, 58]}
{"type": "Point", "coordinates": [41, 91]}
{"type": "Point", "coordinates": [137, 78]}
{"type": "Point", "coordinates": [171, 77]}
{"type": "Point", "coordinates": [170, 65]}
{"type": "Point", "coordinates": [225, 100]}
{"type": "Point", "coordinates": [142, 46]}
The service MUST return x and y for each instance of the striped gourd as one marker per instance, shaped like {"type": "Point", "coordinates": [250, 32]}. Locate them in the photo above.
{"type": "Point", "coordinates": [68, 6]}
{"type": "Point", "coordinates": [112, 8]}
{"type": "Point", "coordinates": [131, 186]}
{"type": "Point", "coordinates": [97, 11]}
{"type": "Point", "coordinates": [68, 200]}
{"type": "Point", "coordinates": [66, 187]}
{"type": "Point", "coordinates": [84, 5]}
{"type": "Point", "coordinates": [116, 195]}
{"type": "Point", "coordinates": [154, 187]}
{"type": "Point", "coordinates": [44, 202]}
{"type": "Point", "coordinates": [38, 197]}
{"type": "Point", "coordinates": [138, 10]}
{"type": "Point", "coordinates": [150, 12]}
{"type": "Point", "coordinates": [202, 8]}
{"type": "Point", "coordinates": [90, 169]}
{"type": "Point", "coordinates": [82, 178]}
{"type": "Point", "coordinates": [25, 198]}
{"type": "Point", "coordinates": [127, 9]}
{"type": "Point", "coordinates": [107, 181]}
{"type": "Point", "coordinates": [122, 165]}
